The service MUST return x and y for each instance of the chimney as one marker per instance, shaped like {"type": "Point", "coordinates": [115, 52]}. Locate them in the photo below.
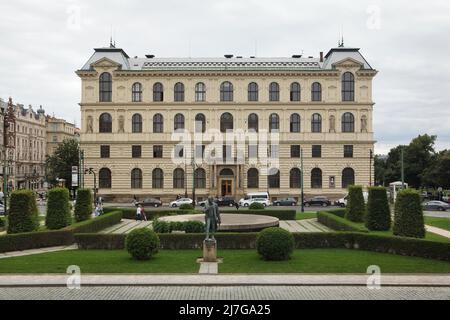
{"type": "Point", "coordinates": [321, 56]}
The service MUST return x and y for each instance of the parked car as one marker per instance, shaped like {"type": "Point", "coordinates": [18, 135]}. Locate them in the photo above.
{"type": "Point", "coordinates": [253, 195]}
{"type": "Point", "coordinates": [149, 202]}
{"type": "Point", "coordinates": [226, 202]}
{"type": "Point", "coordinates": [343, 201]}
{"type": "Point", "coordinates": [181, 201]}
{"type": "Point", "coordinates": [2, 210]}
{"type": "Point", "coordinates": [318, 201]}
{"type": "Point", "coordinates": [285, 202]}
{"type": "Point", "coordinates": [435, 205]}
{"type": "Point", "coordinates": [247, 203]}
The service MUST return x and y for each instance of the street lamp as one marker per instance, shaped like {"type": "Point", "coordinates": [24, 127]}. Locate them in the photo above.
{"type": "Point", "coordinates": [91, 171]}
{"type": "Point", "coordinates": [370, 167]}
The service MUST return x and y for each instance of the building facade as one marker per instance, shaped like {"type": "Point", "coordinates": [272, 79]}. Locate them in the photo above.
{"type": "Point", "coordinates": [58, 130]}
{"type": "Point", "coordinates": [321, 107]}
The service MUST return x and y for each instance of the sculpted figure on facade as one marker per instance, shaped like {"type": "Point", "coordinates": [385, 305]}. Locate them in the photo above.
{"type": "Point", "coordinates": [90, 124]}
{"type": "Point", "coordinates": [332, 124]}
{"type": "Point", "coordinates": [121, 124]}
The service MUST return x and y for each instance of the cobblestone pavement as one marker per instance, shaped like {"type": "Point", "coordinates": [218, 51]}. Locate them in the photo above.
{"type": "Point", "coordinates": [228, 293]}
{"type": "Point", "coordinates": [309, 225]}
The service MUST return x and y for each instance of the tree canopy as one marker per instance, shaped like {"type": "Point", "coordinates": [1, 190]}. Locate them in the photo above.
{"type": "Point", "coordinates": [59, 165]}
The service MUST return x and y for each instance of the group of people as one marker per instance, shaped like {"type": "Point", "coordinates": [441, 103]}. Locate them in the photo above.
{"type": "Point", "coordinates": [98, 207]}
{"type": "Point", "coordinates": [140, 213]}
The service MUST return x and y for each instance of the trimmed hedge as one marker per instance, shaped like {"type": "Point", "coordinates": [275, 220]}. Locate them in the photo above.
{"type": "Point", "coordinates": [275, 244]}
{"type": "Point", "coordinates": [408, 219]}
{"type": "Point", "coordinates": [97, 224]}
{"type": "Point", "coordinates": [378, 213]}
{"type": "Point", "coordinates": [256, 206]}
{"type": "Point", "coordinates": [83, 205]}
{"type": "Point", "coordinates": [356, 207]}
{"type": "Point", "coordinates": [142, 244]}
{"type": "Point", "coordinates": [280, 214]}
{"type": "Point", "coordinates": [34, 240]}
{"type": "Point", "coordinates": [23, 212]}
{"type": "Point", "coordinates": [349, 240]}
{"type": "Point", "coordinates": [187, 206]}
{"type": "Point", "coordinates": [337, 223]}
{"type": "Point", "coordinates": [2, 223]}
{"type": "Point", "coordinates": [130, 213]}
{"type": "Point", "coordinates": [58, 210]}
{"type": "Point", "coordinates": [187, 226]}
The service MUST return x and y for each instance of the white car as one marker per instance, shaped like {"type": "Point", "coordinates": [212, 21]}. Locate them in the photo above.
{"type": "Point", "coordinates": [248, 202]}
{"type": "Point", "coordinates": [179, 202]}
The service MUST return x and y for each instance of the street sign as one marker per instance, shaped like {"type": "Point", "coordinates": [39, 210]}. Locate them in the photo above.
{"type": "Point", "coordinates": [74, 176]}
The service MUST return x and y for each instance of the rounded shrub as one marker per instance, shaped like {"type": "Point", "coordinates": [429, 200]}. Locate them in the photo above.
{"type": "Point", "coordinates": [58, 209]}
{"type": "Point", "coordinates": [142, 244]}
{"type": "Point", "coordinates": [256, 206]}
{"type": "Point", "coordinates": [23, 212]}
{"type": "Point", "coordinates": [356, 207]}
{"type": "Point", "coordinates": [408, 217]}
{"type": "Point", "coordinates": [194, 227]}
{"type": "Point", "coordinates": [378, 216]}
{"type": "Point", "coordinates": [187, 206]}
{"type": "Point", "coordinates": [83, 205]}
{"type": "Point", "coordinates": [275, 244]}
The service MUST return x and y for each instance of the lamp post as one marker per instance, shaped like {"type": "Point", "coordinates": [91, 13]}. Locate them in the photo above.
{"type": "Point", "coordinates": [370, 167]}
{"type": "Point", "coordinates": [194, 167]}
{"type": "Point", "coordinates": [92, 171]}
{"type": "Point", "coordinates": [301, 179]}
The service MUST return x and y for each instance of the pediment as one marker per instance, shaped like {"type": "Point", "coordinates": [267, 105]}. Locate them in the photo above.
{"type": "Point", "coordinates": [348, 63]}
{"type": "Point", "coordinates": [106, 63]}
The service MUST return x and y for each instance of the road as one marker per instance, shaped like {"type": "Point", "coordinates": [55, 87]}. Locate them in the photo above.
{"type": "Point", "coordinates": [226, 293]}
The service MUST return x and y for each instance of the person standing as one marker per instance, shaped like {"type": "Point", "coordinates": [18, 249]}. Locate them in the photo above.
{"type": "Point", "coordinates": [139, 213]}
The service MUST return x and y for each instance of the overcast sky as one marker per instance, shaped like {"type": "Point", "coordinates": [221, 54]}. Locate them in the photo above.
{"type": "Point", "coordinates": [44, 42]}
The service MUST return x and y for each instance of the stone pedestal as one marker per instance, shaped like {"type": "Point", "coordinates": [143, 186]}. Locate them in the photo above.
{"type": "Point", "coordinates": [210, 250]}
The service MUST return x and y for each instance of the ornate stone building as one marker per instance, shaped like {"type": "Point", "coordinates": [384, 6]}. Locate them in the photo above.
{"type": "Point", "coordinates": [58, 130]}
{"type": "Point", "coordinates": [132, 106]}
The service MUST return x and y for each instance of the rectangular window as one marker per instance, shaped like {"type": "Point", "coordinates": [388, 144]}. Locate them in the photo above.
{"type": "Point", "coordinates": [157, 151]}
{"type": "Point", "coordinates": [226, 152]}
{"type": "Point", "coordinates": [348, 151]}
{"type": "Point", "coordinates": [104, 152]}
{"type": "Point", "coordinates": [136, 151]}
{"type": "Point", "coordinates": [253, 151]}
{"type": "Point", "coordinates": [295, 151]}
{"type": "Point", "coordinates": [200, 151]}
{"type": "Point", "coordinates": [316, 151]}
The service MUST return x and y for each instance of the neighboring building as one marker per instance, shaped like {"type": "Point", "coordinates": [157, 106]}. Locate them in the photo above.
{"type": "Point", "coordinates": [131, 106]}
{"type": "Point", "coordinates": [3, 107]}
{"type": "Point", "coordinates": [57, 131]}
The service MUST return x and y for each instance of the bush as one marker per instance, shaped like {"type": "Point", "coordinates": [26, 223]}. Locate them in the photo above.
{"type": "Point", "coordinates": [275, 244]}
{"type": "Point", "coordinates": [130, 213]}
{"type": "Point", "coordinates": [338, 212]}
{"type": "Point", "coordinates": [23, 212]}
{"type": "Point", "coordinates": [83, 205]}
{"type": "Point", "coordinates": [34, 240]}
{"type": "Point", "coordinates": [142, 243]}
{"type": "Point", "coordinates": [356, 207]}
{"type": "Point", "coordinates": [187, 226]}
{"type": "Point", "coordinates": [161, 226]}
{"type": "Point", "coordinates": [337, 223]}
{"type": "Point", "coordinates": [378, 213]}
{"type": "Point", "coordinates": [194, 227]}
{"type": "Point", "coordinates": [256, 206]}
{"type": "Point", "coordinates": [408, 218]}
{"type": "Point", "coordinates": [187, 206]}
{"type": "Point", "coordinates": [280, 214]}
{"type": "Point", "coordinates": [58, 210]}
{"type": "Point", "coordinates": [2, 223]}
{"type": "Point", "coordinates": [97, 224]}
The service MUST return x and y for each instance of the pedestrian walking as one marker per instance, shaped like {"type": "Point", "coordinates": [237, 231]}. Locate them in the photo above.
{"type": "Point", "coordinates": [236, 204]}
{"type": "Point", "coordinates": [143, 215]}
{"type": "Point", "coordinates": [139, 213]}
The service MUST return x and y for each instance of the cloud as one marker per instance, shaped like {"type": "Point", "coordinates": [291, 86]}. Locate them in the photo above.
{"type": "Point", "coordinates": [45, 42]}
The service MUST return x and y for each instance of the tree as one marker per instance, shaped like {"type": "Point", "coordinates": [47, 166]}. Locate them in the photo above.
{"type": "Point", "coordinates": [59, 165]}
{"type": "Point", "coordinates": [380, 170]}
{"type": "Point", "coordinates": [378, 214]}
{"type": "Point", "coordinates": [356, 208]}
{"type": "Point", "coordinates": [408, 218]}
{"type": "Point", "coordinates": [58, 211]}
{"type": "Point", "coordinates": [438, 173]}
{"type": "Point", "coordinates": [23, 212]}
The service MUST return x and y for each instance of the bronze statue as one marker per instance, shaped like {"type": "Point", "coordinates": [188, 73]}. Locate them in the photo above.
{"type": "Point", "coordinates": [212, 218]}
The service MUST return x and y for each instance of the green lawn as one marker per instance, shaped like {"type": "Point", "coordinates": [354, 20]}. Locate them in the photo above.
{"type": "Point", "coordinates": [306, 215]}
{"type": "Point", "coordinates": [235, 261]}
{"type": "Point", "coordinates": [443, 223]}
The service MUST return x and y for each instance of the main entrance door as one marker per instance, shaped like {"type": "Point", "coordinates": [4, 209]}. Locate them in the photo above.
{"type": "Point", "coordinates": [227, 187]}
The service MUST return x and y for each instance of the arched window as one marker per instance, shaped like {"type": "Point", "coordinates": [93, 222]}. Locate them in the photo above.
{"type": "Point", "coordinates": [348, 177]}
{"type": "Point", "coordinates": [104, 178]}
{"type": "Point", "coordinates": [179, 92]}
{"type": "Point", "coordinates": [136, 92]}
{"type": "Point", "coordinates": [253, 178]}
{"type": "Point", "coordinates": [274, 180]}
{"type": "Point", "coordinates": [105, 87]}
{"type": "Point", "coordinates": [136, 123]}
{"type": "Point", "coordinates": [226, 173]}
{"type": "Point", "coordinates": [105, 123]}
{"type": "Point", "coordinates": [179, 121]}
{"type": "Point", "coordinates": [316, 123]}
{"type": "Point", "coordinates": [316, 92]}
{"type": "Point", "coordinates": [158, 92]}
{"type": "Point", "coordinates": [316, 178]}
{"type": "Point", "coordinates": [157, 179]}
{"type": "Point", "coordinates": [200, 178]}
{"type": "Point", "coordinates": [348, 87]}
{"type": "Point", "coordinates": [226, 91]}
{"type": "Point", "coordinates": [253, 122]}
{"type": "Point", "coordinates": [274, 92]}
{"type": "Point", "coordinates": [136, 179]}
{"type": "Point", "coordinates": [295, 123]}
{"type": "Point", "coordinates": [348, 122]}
{"type": "Point", "coordinates": [295, 92]}
{"type": "Point", "coordinates": [178, 179]}
{"type": "Point", "coordinates": [295, 178]}
{"type": "Point", "coordinates": [226, 122]}
{"type": "Point", "coordinates": [200, 92]}
{"type": "Point", "coordinates": [200, 123]}
{"type": "Point", "coordinates": [158, 123]}
{"type": "Point", "coordinates": [253, 91]}
{"type": "Point", "coordinates": [274, 122]}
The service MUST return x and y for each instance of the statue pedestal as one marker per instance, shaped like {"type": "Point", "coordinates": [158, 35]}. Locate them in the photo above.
{"type": "Point", "coordinates": [210, 250]}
